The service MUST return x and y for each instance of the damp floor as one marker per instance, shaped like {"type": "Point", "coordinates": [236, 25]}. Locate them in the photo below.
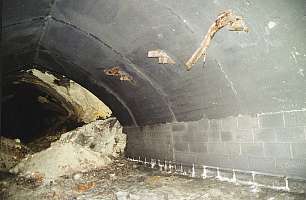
{"type": "Point", "coordinates": [125, 180]}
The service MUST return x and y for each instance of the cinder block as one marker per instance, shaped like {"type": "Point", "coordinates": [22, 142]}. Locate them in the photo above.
{"type": "Point", "coordinates": [215, 125]}
{"type": "Point", "coordinates": [164, 136]}
{"type": "Point", "coordinates": [182, 146]}
{"type": "Point", "coordinates": [226, 173]}
{"type": "Point", "coordinates": [216, 148]}
{"type": "Point", "coordinates": [277, 150]}
{"type": "Point", "coordinates": [297, 185]}
{"type": "Point", "coordinates": [198, 171]}
{"type": "Point", "coordinates": [161, 145]}
{"type": "Point", "coordinates": [204, 124]}
{"type": "Point", "coordinates": [299, 150]}
{"type": "Point", "coordinates": [133, 141]}
{"type": "Point", "coordinates": [179, 126]}
{"type": "Point", "coordinates": [193, 127]}
{"type": "Point", "coordinates": [244, 176]}
{"type": "Point", "coordinates": [150, 128]}
{"type": "Point", "coordinates": [292, 167]}
{"type": "Point", "coordinates": [225, 161]}
{"type": "Point", "coordinates": [244, 136]}
{"type": "Point", "coordinates": [166, 156]}
{"type": "Point", "coordinates": [134, 137]}
{"type": "Point", "coordinates": [211, 172]}
{"type": "Point", "coordinates": [227, 136]}
{"type": "Point", "coordinates": [232, 148]}
{"type": "Point", "coordinates": [166, 127]}
{"type": "Point", "coordinates": [239, 162]}
{"type": "Point", "coordinates": [133, 151]}
{"type": "Point", "coordinates": [148, 144]}
{"type": "Point", "coordinates": [214, 136]}
{"type": "Point", "coordinates": [229, 124]}
{"type": "Point", "coordinates": [251, 149]}
{"type": "Point", "coordinates": [247, 122]}
{"type": "Point", "coordinates": [290, 134]}
{"type": "Point", "coordinates": [184, 157]}
{"type": "Point", "coordinates": [271, 181]}
{"type": "Point", "coordinates": [265, 135]}
{"type": "Point", "coordinates": [131, 129]}
{"type": "Point", "coordinates": [201, 136]}
{"type": "Point", "coordinates": [207, 159]}
{"type": "Point", "coordinates": [271, 120]}
{"type": "Point", "coordinates": [147, 155]}
{"type": "Point", "coordinates": [187, 136]}
{"type": "Point", "coordinates": [261, 164]}
{"type": "Point", "coordinates": [296, 118]}
{"type": "Point", "coordinates": [198, 147]}
{"type": "Point", "coordinates": [200, 158]}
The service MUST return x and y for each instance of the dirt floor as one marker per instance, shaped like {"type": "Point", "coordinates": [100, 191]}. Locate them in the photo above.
{"type": "Point", "coordinates": [127, 180]}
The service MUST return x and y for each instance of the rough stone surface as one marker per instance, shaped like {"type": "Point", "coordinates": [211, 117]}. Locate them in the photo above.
{"type": "Point", "coordinates": [59, 160]}
{"type": "Point", "coordinates": [88, 106]}
{"type": "Point", "coordinates": [11, 152]}
{"type": "Point", "coordinates": [102, 136]}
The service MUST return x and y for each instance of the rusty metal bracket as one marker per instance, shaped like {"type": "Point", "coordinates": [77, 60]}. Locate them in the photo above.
{"type": "Point", "coordinates": [117, 72]}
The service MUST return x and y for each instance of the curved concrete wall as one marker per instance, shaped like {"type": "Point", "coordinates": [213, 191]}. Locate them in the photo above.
{"type": "Point", "coordinates": [245, 73]}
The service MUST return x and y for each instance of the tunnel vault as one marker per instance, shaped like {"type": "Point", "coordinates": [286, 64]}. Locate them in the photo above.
{"type": "Point", "coordinates": [104, 46]}
{"type": "Point", "coordinates": [82, 39]}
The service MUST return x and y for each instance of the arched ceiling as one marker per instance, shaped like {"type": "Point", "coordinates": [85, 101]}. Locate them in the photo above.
{"type": "Point", "coordinates": [263, 70]}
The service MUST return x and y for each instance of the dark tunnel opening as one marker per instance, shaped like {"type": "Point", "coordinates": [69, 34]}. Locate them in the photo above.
{"type": "Point", "coordinates": [27, 113]}
{"type": "Point", "coordinates": [33, 108]}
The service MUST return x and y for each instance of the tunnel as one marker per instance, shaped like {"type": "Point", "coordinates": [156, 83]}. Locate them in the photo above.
{"type": "Point", "coordinates": [240, 110]}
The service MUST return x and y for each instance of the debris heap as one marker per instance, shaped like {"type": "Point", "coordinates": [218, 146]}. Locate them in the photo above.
{"type": "Point", "coordinates": [90, 147]}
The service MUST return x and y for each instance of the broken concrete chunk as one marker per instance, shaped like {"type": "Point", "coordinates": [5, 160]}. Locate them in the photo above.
{"type": "Point", "coordinates": [86, 148]}
{"type": "Point", "coordinates": [162, 56]}
{"type": "Point", "coordinates": [11, 152]}
{"type": "Point", "coordinates": [59, 160]}
{"type": "Point", "coordinates": [102, 136]}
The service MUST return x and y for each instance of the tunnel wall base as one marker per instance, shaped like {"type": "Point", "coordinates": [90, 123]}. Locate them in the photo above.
{"type": "Point", "coordinates": [268, 144]}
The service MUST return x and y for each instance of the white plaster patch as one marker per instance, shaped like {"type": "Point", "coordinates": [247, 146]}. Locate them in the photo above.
{"type": "Point", "coordinates": [160, 36]}
{"type": "Point", "coordinates": [294, 57]}
{"type": "Point", "coordinates": [301, 72]}
{"type": "Point", "coordinates": [271, 24]}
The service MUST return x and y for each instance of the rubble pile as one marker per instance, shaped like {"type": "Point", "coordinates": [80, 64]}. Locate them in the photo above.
{"type": "Point", "coordinates": [126, 180]}
{"type": "Point", "coordinates": [11, 152]}
{"type": "Point", "coordinates": [89, 147]}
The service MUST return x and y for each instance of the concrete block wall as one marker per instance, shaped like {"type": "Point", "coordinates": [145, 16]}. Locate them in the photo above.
{"type": "Point", "coordinates": [268, 143]}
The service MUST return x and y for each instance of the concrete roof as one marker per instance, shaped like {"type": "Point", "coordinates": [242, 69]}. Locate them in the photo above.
{"type": "Point", "coordinates": [259, 71]}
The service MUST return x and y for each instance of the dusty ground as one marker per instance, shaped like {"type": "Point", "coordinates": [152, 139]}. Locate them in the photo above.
{"type": "Point", "coordinates": [127, 180]}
